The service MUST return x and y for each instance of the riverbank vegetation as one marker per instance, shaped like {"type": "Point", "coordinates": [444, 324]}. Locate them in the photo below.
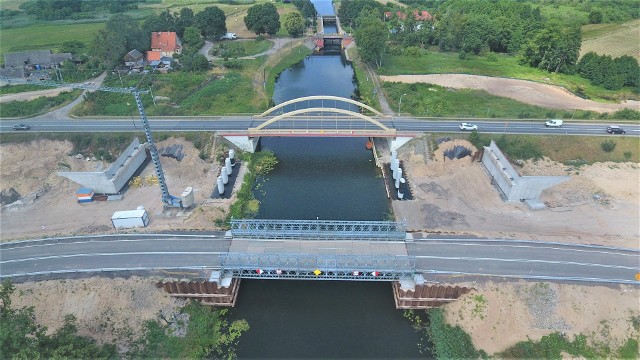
{"type": "Point", "coordinates": [207, 334]}
{"type": "Point", "coordinates": [259, 164]}
{"type": "Point", "coordinates": [199, 332]}
{"type": "Point", "coordinates": [428, 100]}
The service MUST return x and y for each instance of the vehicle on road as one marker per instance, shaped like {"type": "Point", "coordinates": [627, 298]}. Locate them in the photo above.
{"type": "Point", "coordinates": [468, 126]}
{"type": "Point", "coordinates": [553, 123]}
{"type": "Point", "coordinates": [615, 130]}
{"type": "Point", "coordinates": [21, 127]}
{"type": "Point", "coordinates": [229, 36]}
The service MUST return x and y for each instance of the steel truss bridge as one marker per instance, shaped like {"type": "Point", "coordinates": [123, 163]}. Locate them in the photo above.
{"type": "Point", "coordinates": [318, 229]}
{"type": "Point", "coordinates": [318, 267]}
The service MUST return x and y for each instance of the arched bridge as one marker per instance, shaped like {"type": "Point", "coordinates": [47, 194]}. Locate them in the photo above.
{"type": "Point", "coordinates": [327, 119]}
{"type": "Point", "coordinates": [318, 116]}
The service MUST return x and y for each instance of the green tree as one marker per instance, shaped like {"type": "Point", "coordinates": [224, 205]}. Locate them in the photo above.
{"type": "Point", "coordinates": [595, 17]}
{"type": "Point", "coordinates": [211, 21]}
{"type": "Point", "coordinates": [294, 24]}
{"type": "Point", "coordinates": [554, 48]}
{"type": "Point", "coordinates": [184, 20]}
{"type": "Point", "coordinates": [108, 47]}
{"type": "Point", "coordinates": [350, 10]}
{"type": "Point", "coordinates": [371, 37]}
{"type": "Point", "coordinates": [73, 46]}
{"type": "Point", "coordinates": [263, 19]}
{"type": "Point", "coordinates": [128, 29]}
{"type": "Point", "coordinates": [192, 39]}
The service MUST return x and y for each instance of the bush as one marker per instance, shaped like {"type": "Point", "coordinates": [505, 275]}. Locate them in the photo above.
{"type": "Point", "coordinates": [628, 155]}
{"type": "Point", "coordinates": [608, 145]}
{"type": "Point", "coordinates": [412, 51]}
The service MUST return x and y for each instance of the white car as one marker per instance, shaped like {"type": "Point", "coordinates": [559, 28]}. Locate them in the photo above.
{"type": "Point", "coordinates": [468, 126]}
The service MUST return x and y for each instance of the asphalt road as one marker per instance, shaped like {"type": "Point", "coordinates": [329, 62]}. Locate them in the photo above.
{"type": "Point", "coordinates": [241, 123]}
{"type": "Point", "coordinates": [502, 258]}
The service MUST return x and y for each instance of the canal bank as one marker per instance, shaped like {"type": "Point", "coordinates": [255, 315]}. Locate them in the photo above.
{"type": "Point", "coordinates": [327, 179]}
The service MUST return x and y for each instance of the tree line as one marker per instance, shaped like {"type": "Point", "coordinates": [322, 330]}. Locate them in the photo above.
{"type": "Point", "coordinates": [548, 42]}
{"type": "Point", "coordinates": [74, 9]}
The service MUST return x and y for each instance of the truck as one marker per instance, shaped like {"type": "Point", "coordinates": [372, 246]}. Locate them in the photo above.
{"type": "Point", "coordinates": [553, 123]}
{"type": "Point", "coordinates": [229, 36]}
{"type": "Point", "coordinates": [130, 219]}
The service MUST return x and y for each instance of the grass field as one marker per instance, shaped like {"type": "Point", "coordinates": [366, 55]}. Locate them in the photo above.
{"type": "Point", "coordinates": [612, 39]}
{"type": "Point", "coordinates": [437, 101]}
{"type": "Point", "coordinates": [436, 62]}
{"type": "Point", "coordinates": [575, 149]}
{"type": "Point", "coordinates": [43, 37]}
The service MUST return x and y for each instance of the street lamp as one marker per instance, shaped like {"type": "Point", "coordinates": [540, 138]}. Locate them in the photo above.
{"type": "Point", "coordinates": [400, 103]}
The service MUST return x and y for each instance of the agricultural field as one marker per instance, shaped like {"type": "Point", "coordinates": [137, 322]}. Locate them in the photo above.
{"type": "Point", "coordinates": [45, 36]}
{"type": "Point", "coordinates": [612, 39]}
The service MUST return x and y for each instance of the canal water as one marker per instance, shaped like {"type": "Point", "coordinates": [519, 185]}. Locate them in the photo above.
{"type": "Point", "coordinates": [329, 179]}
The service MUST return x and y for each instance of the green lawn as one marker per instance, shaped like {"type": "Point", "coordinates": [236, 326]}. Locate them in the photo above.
{"type": "Point", "coordinates": [435, 62]}
{"type": "Point", "coordinates": [42, 37]}
{"type": "Point", "coordinates": [239, 48]}
{"type": "Point", "coordinates": [432, 100]}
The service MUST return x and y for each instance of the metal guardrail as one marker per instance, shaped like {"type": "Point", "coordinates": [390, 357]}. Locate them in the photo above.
{"type": "Point", "coordinates": [318, 267]}
{"type": "Point", "coordinates": [318, 229]}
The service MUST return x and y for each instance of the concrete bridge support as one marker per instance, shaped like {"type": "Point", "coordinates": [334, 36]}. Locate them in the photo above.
{"type": "Point", "coordinates": [396, 142]}
{"type": "Point", "coordinates": [244, 142]}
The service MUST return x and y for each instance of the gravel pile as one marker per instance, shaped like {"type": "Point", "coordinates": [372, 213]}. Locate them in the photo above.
{"type": "Point", "coordinates": [542, 301]}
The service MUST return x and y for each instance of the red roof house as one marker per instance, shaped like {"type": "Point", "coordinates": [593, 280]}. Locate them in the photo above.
{"type": "Point", "coordinates": [166, 43]}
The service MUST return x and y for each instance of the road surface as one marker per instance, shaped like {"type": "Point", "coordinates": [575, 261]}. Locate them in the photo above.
{"type": "Point", "coordinates": [479, 257]}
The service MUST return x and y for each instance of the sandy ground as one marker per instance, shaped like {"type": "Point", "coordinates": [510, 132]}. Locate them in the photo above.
{"type": "Point", "coordinates": [30, 169]}
{"type": "Point", "coordinates": [600, 204]}
{"type": "Point", "coordinates": [452, 197]}
{"type": "Point", "coordinates": [549, 96]}
{"type": "Point", "coordinates": [106, 309]}
{"type": "Point", "coordinates": [30, 95]}
{"type": "Point", "coordinates": [498, 315]}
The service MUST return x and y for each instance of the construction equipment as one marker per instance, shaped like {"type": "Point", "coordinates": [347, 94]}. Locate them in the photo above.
{"type": "Point", "coordinates": [168, 199]}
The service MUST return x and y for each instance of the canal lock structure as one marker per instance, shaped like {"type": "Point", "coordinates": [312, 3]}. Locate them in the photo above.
{"type": "Point", "coordinates": [327, 179]}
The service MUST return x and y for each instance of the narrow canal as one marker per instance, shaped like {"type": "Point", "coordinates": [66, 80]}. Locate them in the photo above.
{"type": "Point", "coordinates": [331, 179]}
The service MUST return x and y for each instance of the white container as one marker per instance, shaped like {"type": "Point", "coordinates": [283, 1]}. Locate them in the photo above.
{"type": "Point", "coordinates": [130, 219]}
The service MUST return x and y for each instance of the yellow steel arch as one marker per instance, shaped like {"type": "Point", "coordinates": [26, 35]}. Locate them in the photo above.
{"type": "Point", "coordinates": [308, 110]}
{"type": "Point", "coordinates": [320, 97]}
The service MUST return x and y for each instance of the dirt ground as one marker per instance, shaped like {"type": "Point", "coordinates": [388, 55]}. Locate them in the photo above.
{"type": "Point", "coordinates": [120, 315]}
{"type": "Point", "coordinates": [600, 204]}
{"type": "Point", "coordinates": [529, 92]}
{"type": "Point", "coordinates": [30, 95]}
{"type": "Point", "coordinates": [49, 200]}
{"type": "Point", "coordinates": [498, 315]}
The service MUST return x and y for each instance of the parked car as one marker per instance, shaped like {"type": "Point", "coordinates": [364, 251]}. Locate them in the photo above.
{"type": "Point", "coordinates": [553, 123]}
{"type": "Point", "coordinates": [21, 127]}
{"type": "Point", "coordinates": [615, 130]}
{"type": "Point", "coordinates": [468, 126]}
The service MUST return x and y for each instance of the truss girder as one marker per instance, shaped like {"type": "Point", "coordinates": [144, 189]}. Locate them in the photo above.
{"type": "Point", "coordinates": [318, 229]}
{"type": "Point", "coordinates": [318, 267]}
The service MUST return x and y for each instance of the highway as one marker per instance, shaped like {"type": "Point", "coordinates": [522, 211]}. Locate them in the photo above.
{"type": "Point", "coordinates": [478, 257]}
{"type": "Point", "coordinates": [241, 123]}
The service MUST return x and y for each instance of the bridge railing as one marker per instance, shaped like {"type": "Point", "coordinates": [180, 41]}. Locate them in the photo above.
{"type": "Point", "coordinates": [318, 267]}
{"type": "Point", "coordinates": [318, 229]}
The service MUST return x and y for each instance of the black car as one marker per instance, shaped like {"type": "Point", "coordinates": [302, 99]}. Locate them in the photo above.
{"type": "Point", "coordinates": [21, 127]}
{"type": "Point", "coordinates": [615, 130]}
